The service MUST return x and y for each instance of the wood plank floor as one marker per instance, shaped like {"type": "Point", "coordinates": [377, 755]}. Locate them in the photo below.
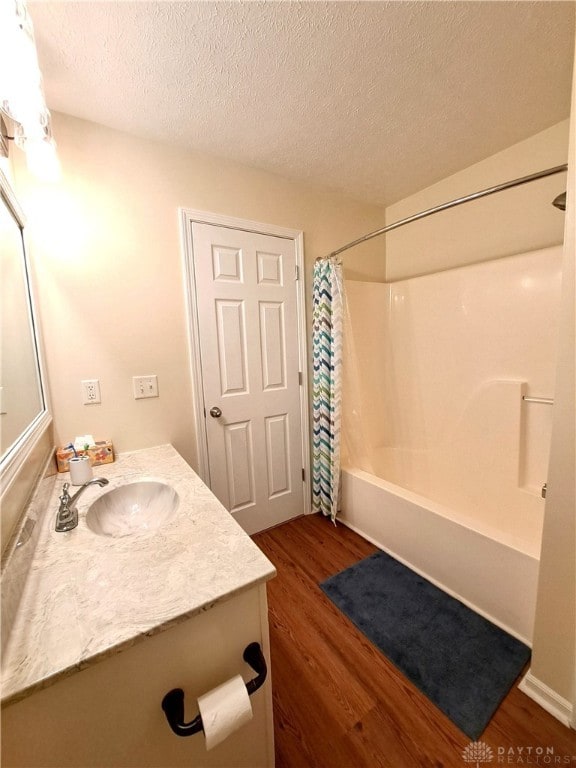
{"type": "Point", "coordinates": [339, 703]}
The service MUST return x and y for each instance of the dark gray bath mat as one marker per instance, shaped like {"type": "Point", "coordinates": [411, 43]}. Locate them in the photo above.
{"type": "Point", "coordinates": [462, 662]}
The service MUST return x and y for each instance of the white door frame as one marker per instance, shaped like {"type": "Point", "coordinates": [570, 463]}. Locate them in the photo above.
{"type": "Point", "coordinates": [189, 216]}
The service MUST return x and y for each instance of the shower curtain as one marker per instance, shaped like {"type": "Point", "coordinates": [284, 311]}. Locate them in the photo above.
{"type": "Point", "coordinates": [327, 324]}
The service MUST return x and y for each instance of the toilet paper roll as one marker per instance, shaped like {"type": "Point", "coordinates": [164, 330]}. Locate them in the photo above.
{"type": "Point", "coordinates": [224, 710]}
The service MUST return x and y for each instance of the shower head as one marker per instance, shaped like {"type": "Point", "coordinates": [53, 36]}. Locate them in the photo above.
{"type": "Point", "coordinates": [560, 201]}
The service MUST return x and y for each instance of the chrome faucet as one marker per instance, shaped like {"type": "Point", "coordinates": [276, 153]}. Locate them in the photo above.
{"type": "Point", "coordinates": [67, 517]}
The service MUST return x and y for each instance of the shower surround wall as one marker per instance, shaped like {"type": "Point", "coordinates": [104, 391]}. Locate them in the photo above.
{"type": "Point", "coordinates": [436, 416]}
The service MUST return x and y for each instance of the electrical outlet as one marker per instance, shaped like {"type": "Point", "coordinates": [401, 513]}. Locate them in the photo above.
{"type": "Point", "coordinates": [145, 386]}
{"type": "Point", "coordinates": [90, 391]}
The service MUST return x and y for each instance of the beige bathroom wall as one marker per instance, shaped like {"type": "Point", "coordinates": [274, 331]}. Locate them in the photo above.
{"type": "Point", "coordinates": [106, 257]}
{"type": "Point", "coordinates": [554, 651]}
{"type": "Point", "coordinates": [513, 221]}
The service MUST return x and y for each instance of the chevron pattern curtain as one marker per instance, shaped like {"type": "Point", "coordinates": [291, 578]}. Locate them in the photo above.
{"type": "Point", "coordinates": [327, 325]}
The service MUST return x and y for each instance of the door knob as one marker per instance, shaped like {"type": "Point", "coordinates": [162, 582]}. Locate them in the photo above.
{"type": "Point", "coordinates": [215, 412]}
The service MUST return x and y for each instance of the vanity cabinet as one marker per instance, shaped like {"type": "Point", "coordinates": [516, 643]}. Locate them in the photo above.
{"type": "Point", "coordinates": [109, 714]}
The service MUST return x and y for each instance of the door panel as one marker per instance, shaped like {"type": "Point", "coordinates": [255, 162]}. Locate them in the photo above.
{"type": "Point", "coordinates": [248, 331]}
{"type": "Point", "coordinates": [231, 333]}
{"type": "Point", "coordinates": [278, 455]}
{"type": "Point", "coordinates": [239, 465]}
{"type": "Point", "coordinates": [272, 338]}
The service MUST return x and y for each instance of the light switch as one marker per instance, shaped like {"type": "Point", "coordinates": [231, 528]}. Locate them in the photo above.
{"type": "Point", "coordinates": [145, 386]}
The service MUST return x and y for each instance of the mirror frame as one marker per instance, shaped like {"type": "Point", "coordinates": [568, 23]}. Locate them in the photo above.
{"type": "Point", "coordinates": [19, 451]}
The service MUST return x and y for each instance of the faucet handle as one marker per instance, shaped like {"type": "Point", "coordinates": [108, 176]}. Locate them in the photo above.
{"type": "Point", "coordinates": [65, 495]}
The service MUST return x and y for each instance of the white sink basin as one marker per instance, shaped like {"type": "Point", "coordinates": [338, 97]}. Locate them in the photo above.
{"type": "Point", "coordinates": [133, 508]}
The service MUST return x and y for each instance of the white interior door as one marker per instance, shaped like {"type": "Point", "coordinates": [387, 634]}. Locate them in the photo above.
{"type": "Point", "coordinates": [248, 336]}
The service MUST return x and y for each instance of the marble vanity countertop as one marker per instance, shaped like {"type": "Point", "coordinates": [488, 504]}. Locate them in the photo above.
{"type": "Point", "coordinates": [88, 596]}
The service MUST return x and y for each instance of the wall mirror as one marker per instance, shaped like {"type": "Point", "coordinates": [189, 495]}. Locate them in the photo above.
{"type": "Point", "coordinates": [23, 403]}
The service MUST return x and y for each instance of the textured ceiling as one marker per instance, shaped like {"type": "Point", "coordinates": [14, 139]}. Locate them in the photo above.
{"type": "Point", "coordinates": [373, 99]}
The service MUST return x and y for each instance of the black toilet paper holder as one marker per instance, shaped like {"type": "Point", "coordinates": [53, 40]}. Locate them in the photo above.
{"type": "Point", "coordinates": [173, 702]}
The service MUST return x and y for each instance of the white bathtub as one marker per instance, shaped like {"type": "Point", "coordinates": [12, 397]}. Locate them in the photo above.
{"type": "Point", "coordinates": [494, 575]}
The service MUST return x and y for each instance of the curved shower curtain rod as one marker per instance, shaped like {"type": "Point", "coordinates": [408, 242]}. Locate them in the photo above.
{"type": "Point", "coordinates": [451, 204]}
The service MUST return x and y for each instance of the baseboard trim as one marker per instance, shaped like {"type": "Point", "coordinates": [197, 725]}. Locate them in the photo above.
{"type": "Point", "coordinates": [547, 698]}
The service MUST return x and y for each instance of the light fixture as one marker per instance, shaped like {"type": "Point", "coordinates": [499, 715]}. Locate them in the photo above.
{"type": "Point", "coordinates": [21, 93]}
